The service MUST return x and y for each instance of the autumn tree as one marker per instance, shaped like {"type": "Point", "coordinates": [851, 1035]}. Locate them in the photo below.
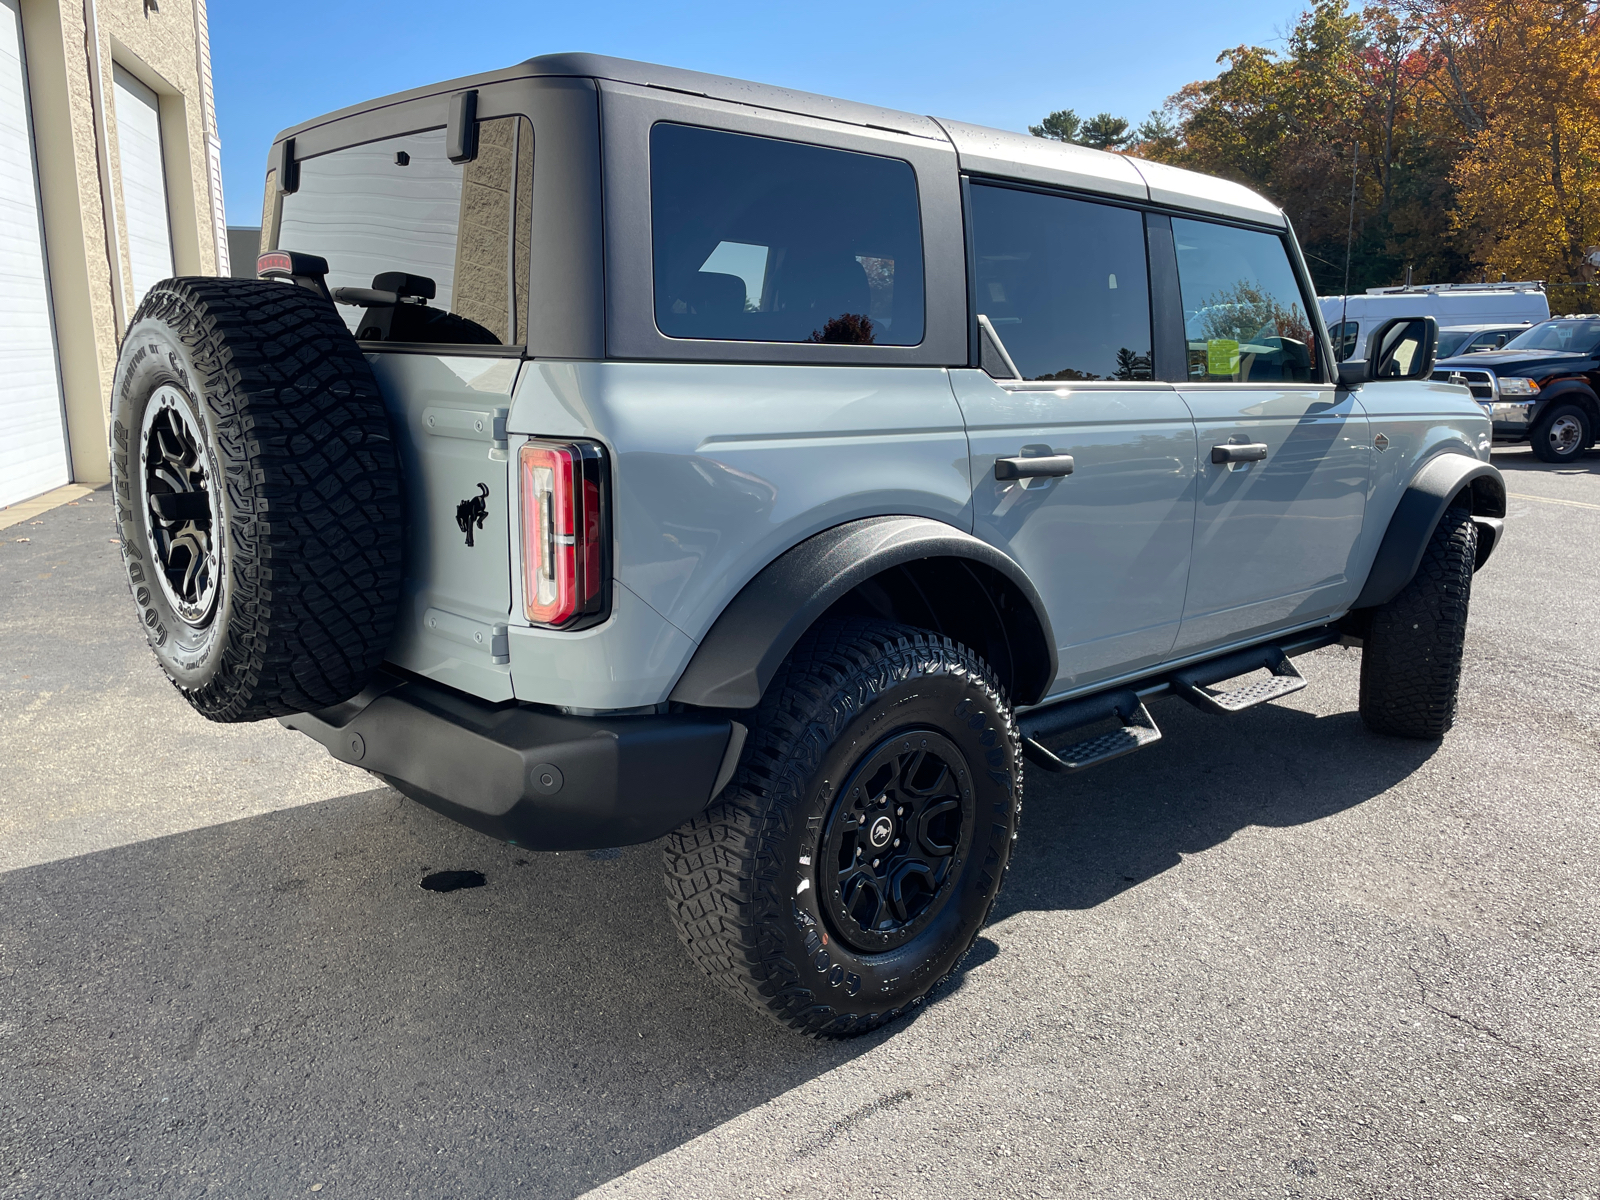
{"type": "Point", "coordinates": [1528, 187]}
{"type": "Point", "coordinates": [1468, 130]}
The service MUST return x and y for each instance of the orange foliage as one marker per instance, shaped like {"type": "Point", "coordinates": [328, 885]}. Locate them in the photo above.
{"type": "Point", "coordinates": [1471, 129]}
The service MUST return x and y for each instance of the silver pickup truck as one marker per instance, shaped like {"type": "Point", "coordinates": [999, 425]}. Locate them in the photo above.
{"type": "Point", "coordinates": [611, 453]}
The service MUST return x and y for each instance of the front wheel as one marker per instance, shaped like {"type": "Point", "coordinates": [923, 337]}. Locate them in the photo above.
{"type": "Point", "coordinates": [855, 858]}
{"type": "Point", "coordinates": [1562, 434]}
{"type": "Point", "coordinates": [1411, 655]}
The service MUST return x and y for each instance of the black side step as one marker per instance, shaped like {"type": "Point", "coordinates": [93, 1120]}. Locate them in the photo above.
{"type": "Point", "coordinates": [1195, 684]}
{"type": "Point", "coordinates": [1138, 731]}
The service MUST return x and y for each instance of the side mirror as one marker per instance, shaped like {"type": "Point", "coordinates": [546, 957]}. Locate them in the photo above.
{"type": "Point", "coordinates": [1402, 348]}
{"type": "Point", "coordinates": [1352, 372]}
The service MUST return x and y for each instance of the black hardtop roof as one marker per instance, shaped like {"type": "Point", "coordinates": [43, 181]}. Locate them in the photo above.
{"type": "Point", "coordinates": [622, 70]}
{"type": "Point", "coordinates": [739, 91]}
{"type": "Point", "coordinates": [988, 151]}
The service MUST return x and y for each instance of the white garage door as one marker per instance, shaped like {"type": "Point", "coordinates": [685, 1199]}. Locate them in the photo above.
{"type": "Point", "coordinates": [144, 182]}
{"type": "Point", "coordinates": [33, 442]}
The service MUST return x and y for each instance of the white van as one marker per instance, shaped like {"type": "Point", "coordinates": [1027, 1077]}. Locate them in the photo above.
{"type": "Point", "coordinates": [1352, 318]}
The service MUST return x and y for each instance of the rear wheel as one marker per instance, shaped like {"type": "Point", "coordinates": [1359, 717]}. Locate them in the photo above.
{"type": "Point", "coordinates": [1413, 646]}
{"type": "Point", "coordinates": [1562, 434]}
{"type": "Point", "coordinates": [853, 861]}
{"type": "Point", "coordinates": [258, 496]}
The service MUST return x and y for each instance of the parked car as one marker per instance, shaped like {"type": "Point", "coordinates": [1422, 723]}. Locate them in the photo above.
{"type": "Point", "coordinates": [1541, 387]}
{"type": "Point", "coordinates": [614, 453]}
{"type": "Point", "coordinates": [1351, 319]}
{"type": "Point", "coordinates": [1475, 339]}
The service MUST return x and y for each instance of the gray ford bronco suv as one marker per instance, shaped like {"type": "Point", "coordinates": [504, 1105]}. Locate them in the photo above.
{"type": "Point", "coordinates": [612, 453]}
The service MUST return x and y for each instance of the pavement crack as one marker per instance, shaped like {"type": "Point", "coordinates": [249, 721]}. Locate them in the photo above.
{"type": "Point", "coordinates": [851, 1119]}
{"type": "Point", "coordinates": [1422, 987]}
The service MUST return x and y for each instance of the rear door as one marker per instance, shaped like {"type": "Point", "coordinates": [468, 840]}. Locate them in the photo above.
{"type": "Point", "coordinates": [396, 215]}
{"type": "Point", "coordinates": [1063, 283]}
{"type": "Point", "coordinates": [1277, 526]}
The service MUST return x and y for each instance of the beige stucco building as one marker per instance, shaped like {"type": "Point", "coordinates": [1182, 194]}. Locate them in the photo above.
{"type": "Point", "coordinates": [110, 179]}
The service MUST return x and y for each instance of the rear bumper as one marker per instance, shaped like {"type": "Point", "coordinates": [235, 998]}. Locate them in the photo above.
{"type": "Point", "coordinates": [527, 776]}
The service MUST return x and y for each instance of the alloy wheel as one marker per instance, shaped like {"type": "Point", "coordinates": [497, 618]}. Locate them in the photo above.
{"type": "Point", "coordinates": [181, 498]}
{"type": "Point", "coordinates": [895, 840]}
{"type": "Point", "coordinates": [1565, 434]}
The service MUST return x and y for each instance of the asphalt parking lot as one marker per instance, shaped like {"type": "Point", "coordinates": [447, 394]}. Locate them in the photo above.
{"type": "Point", "coordinates": [1272, 956]}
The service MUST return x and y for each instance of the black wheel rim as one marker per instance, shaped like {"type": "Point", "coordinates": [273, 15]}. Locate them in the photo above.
{"type": "Point", "coordinates": [180, 507]}
{"type": "Point", "coordinates": [896, 840]}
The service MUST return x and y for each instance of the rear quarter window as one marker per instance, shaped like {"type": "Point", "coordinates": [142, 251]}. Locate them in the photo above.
{"type": "Point", "coordinates": [764, 240]}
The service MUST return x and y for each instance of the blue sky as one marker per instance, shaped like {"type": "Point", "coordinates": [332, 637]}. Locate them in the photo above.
{"type": "Point", "coordinates": [1004, 64]}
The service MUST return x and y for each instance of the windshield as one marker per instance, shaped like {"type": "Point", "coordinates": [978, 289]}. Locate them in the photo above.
{"type": "Point", "coordinates": [1450, 341]}
{"type": "Point", "coordinates": [1583, 336]}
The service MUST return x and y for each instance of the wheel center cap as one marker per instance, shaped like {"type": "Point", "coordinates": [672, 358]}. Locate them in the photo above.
{"type": "Point", "coordinates": [880, 832]}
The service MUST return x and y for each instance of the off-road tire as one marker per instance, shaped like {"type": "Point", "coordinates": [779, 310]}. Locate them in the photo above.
{"type": "Point", "coordinates": [1545, 445]}
{"type": "Point", "coordinates": [301, 521]}
{"type": "Point", "coordinates": [748, 887]}
{"type": "Point", "coordinates": [1411, 656]}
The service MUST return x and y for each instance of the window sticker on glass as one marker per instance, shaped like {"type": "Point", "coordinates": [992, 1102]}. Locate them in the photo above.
{"type": "Point", "coordinates": [1222, 356]}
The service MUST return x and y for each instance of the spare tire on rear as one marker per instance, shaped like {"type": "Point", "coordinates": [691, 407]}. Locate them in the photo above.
{"type": "Point", "coordinates": [258, 496]}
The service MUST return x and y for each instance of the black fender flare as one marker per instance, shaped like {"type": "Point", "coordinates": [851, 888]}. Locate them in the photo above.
{"type": "Point", "coordinates": [1573, 388]}
{"type": "Point", "coordinates": [1433, 488]}
{"type": "Point", "coordinates": [755, 632]}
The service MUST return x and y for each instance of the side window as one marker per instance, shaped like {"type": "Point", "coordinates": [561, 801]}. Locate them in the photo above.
{"type": "Point", "coordinates": [762, 240]}
{"type": "Point", "coordinates": [1064, 283]}
{"type": "Point", "coordinates": [1344, 335]}
{"type": "Point", "coordinates": [429, 242]}
{"type": "Point", "coordinates": [1243, 312]}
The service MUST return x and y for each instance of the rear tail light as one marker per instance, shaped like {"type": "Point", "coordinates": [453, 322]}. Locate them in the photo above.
{"type": "Point", "coordinates": [565, 536]}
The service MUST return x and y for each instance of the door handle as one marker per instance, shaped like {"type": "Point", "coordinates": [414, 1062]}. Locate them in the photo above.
{"type": "Point", "coordinates": [1051, 466]}
{"type": "Point", "coordinates": [1231, 453]}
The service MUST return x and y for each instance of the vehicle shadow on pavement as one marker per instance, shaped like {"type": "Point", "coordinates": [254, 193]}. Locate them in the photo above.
{"type": "Point", "coordinates": [273, 1003]}
{"type": "Point", "coordinates": [1086, 838]}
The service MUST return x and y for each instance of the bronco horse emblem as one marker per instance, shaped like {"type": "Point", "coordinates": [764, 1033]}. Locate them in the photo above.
{"type": "Point", "coordinates": [473, 512]}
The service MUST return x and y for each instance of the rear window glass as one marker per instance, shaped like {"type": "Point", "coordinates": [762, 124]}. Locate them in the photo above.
{"type": "Point", "coordinates": [761, 240]}
{"type": "Point", "coordinates": [1064, 284]}
{"type": "Point", "coordinates": [399, 218]}
{"type": "Point", "coordinates": [1243, 311]}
